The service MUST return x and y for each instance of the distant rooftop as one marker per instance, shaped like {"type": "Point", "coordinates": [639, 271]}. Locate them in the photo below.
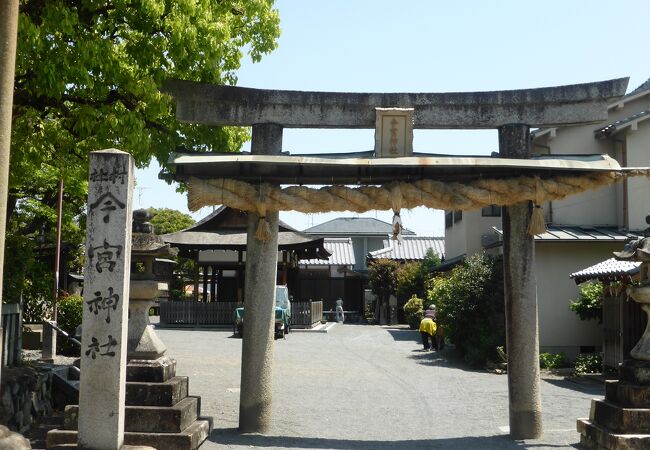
{"type": "Point", "coordinates": [354, 226]}
{"type": "Point", "coordinates": [561, 233]}
{"type": "Point", "coordinates": [342, 253]}
{"type": "Point", "coordinates": [643, 87]}
{"type": "Point", "coordinates": [411, 248]}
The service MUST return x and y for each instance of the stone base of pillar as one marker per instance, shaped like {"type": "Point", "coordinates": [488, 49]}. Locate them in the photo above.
{"type": "Point", "coordinates": [158, 410]}
{"type": "Point", "coordinates": [622, 419]}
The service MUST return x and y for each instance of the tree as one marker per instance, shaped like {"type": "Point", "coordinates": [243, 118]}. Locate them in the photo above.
{"type": "Point", "coordinates": [471, 307]}
{"type": "Point", "coordinates": [166, 220]}
{"type": "Point", "coordinates": [383, 281]}
{"type": "Point", "coordinates": [88, 75]}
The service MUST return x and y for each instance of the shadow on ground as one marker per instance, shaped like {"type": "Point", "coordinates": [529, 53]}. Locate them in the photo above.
{"type": "Point", "coordinates": [404, 334]}
{"type": "Point", "coordinates": [589, 387]}
{"type": "Point", "coordinates": [232, 437]}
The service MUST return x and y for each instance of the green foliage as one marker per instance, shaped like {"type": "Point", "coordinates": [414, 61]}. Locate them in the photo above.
{"type": "Point", "coordinates": [430, 261]}
{"type": "Point", "coordinates": [553, 360]}
{"type": "Point", "coordinates": [471, 307]}
{"type": "Point", "coordinates": [166, 220]}
{"type": "Point", "coordinates": [70, 313]}
{"type": "Point", "coordinates": [414, 312]}
{"type": "Point", "coordinates": [88, 77]}
{"type": "Point", "coordinates": [382, 274]}
{"type": "Point", "coordinates": [410, 280]}
{"type": "Point", "coordinates": [589, 304]}
{"type": "Point", "coordinates": [589, 363]}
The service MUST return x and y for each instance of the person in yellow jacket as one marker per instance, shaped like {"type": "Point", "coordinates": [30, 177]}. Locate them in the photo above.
{"type": "Point", "coordinates": [428, 330]}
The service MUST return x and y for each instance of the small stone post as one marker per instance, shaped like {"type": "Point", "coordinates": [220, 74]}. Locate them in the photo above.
{"type": "Point", "coordinates": [522, 336]}
{"type": "Point", "coordinates": [255, 401]}
{"type": "Point", "coordinates": [106, 293]}
{"type": "Point", "coordinates": [49, 343]}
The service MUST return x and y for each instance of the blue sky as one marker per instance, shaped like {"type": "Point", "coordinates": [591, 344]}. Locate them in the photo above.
{"type": "Point", "coordinates": [432, 46]}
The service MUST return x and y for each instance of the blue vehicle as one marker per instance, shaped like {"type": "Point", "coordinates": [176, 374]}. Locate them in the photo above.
{"type": "Point", "coordinates": [282, 314]}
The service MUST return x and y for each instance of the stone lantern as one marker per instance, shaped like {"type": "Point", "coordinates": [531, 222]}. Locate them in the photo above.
{"type": "Point", "coordinates": [143, 343]}
{"type": "Point", "coordinates": [622, 419]}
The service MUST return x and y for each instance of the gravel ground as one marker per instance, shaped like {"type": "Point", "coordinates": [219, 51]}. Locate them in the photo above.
{"type": "Point", "coordinates": [368, 387]}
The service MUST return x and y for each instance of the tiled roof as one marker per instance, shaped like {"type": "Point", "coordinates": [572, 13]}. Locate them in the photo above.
{"type": "Point", "coordinates": [410, 248]}
{"type": "Point", "coordinates": [576, 233]}
{"type": "Point", "coordinates": [644, 87]}
{"type": "Point", "coordinates": [614, 127]}
{"type": "Point", "coordinates": [341, 250]}
{"type": "Point", "coordinates": [353, 226]}
{"type": "Point", "coordinates": [607, 270]}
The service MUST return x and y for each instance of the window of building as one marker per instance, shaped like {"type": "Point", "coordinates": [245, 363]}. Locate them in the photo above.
{"type": "Point", "coordinates": [448, 219]}
{"type": "Point", "coordinates": [491, 211]}
{"type": "Point", "coordinates": [458, 216]}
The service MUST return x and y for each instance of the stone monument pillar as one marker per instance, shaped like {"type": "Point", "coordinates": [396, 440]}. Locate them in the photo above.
{"type": "Point", "coordinates": [256, 396]}
{"type": "Point", "coordinates": [622, 419]}
{"type": "Point", "coordinates": [106, 293]}
{"type": "Point", "coordinates": [520, 289]}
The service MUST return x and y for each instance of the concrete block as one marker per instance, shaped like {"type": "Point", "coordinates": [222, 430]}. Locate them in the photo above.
{"type": "Point", "coordinates": [148, 419]}
{"type": "Point", "coordinates": [167, 393]}
{"type": "Point", "coordinates": [618, 419]}
{"type": "Point", "coordinates": [189, 439]}
{"type": "Point", "coordinates": [152, 371]}
{"type": "Point", "coordinates": [635, 371]}
{"type": "Point", "coordinates": [594, 436]}
{"type": "Point", "coordinates": [627, 394]}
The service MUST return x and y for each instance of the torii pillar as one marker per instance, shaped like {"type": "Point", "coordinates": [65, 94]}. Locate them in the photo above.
{"type": "Point", "coordinates": [520, 291]}
{"type": "Point", "coordinates": [256, 394]}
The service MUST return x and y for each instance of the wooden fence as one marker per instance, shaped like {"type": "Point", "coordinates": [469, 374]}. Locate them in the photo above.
{"type": "Point", "coordinates": [11, 333]}
{"type": "Point", "coordinates": [303, 314]}
{"type": "Point", "coordinates": [624, 322]}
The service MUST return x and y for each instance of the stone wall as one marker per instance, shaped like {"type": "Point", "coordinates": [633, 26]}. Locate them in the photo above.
{"type": "Point", "coordinates": [24, 397]}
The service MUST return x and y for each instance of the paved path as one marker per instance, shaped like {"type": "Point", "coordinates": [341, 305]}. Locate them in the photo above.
{"type": "Point", "coordinates": [367, 387]}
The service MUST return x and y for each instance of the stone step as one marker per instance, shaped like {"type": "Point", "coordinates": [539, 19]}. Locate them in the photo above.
{"type": "Point", "coordinates": [151, 371]}
{"type": "Point", "coordinates": [594, 436]}
{"type": "Point", "coordinates": [619, 419]}
{"type": "Point", "coordinates": [627, 394]}
{"type": "Point", "coordinates": [167, 393]}
{"type": "Point", "coordinates": [146, 419]}
{"type": "Point", "coordinates": [189, 439]}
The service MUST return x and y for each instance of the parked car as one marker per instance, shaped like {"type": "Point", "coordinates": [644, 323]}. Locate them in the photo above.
{"type": "Point", "coordinates": [282, 314]}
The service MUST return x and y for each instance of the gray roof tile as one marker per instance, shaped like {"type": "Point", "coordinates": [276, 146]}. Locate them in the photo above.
{"type": "Point", "coordinates": [412, 248]}
{"type": "Point", "coordinates": [341, 251]}
{"type": "Point", "coordinates": [609, 269]}
{"type": "Point", "coordinates": [354, 226]}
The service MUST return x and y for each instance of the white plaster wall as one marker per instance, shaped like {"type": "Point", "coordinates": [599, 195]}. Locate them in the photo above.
{"type": "Point", "coordinates": [456, 239]}
{"type": "Point", "coordinates": [560, 329]}
{"type": "Point", "coordinates": [638, 155]}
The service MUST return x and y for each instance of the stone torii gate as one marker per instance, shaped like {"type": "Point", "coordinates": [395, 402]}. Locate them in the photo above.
{"type": "Point", "coordinates": [512, 113]}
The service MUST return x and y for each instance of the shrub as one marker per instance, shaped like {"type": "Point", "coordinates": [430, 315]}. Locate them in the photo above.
{"type": "Point", "coordinates": [70, 312]}
{"type": "Point", "coordinates": [471, 307]}
{"type": "Point", "coordinates": [589, 363]}
{"type": "Point", "coordinates": [589, 304]}
{"type": "Point", "coordinates": [414, 312]}
{"type": "Point", "coordinates": [553, 360]}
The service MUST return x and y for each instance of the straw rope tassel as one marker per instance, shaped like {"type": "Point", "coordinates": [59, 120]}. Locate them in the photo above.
{"type": "Point", "coordinates": [537, 224]}
{"type": "Point", "coordinates": [263, 232]}
{"type": "Point", "coordinates": [396, 202]}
